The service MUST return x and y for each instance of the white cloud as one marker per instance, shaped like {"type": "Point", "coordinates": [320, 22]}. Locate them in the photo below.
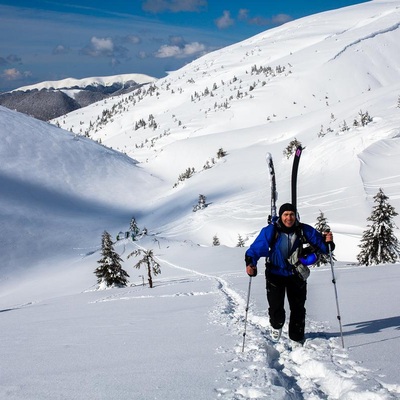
{"type": "Point", "coordinates": [102, 45]}
{"type": "Point", "coordinates": [175, 51]}
{"type": "Point", "coordinates": [225, 21]}
{"type": "Point", "coordinates": [193, 48]}
{"type": "Point", "coordinates": [11, 74]}
{"type": "Point", "coordinates": [168, 51]}
{"type": "Point", "coordinates": [99, 47]}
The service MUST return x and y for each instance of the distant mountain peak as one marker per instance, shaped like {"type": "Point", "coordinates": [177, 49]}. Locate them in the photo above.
{"type": "Point", "coordinates": [51, 99]}
{"type": "Point", "coordinates": [72, 83]}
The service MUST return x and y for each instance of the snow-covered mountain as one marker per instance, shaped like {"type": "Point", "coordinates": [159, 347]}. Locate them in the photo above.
{"type": "Point", "coordinates": [309, 79]}
{"type": "Point", "coordinates": [103, 81]}
{"type": "Point", "coordinates": [50, 99]}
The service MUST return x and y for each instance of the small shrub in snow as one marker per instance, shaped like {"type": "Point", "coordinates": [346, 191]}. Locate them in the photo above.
{"type": "Point", "coordinates": [363, 119]}
{"type": "Point", "coordinates": [344, 127]}
{"type": "Point", "coordinates": [209, 164]}
{"type": "Point", "coordinates": [185, 175]}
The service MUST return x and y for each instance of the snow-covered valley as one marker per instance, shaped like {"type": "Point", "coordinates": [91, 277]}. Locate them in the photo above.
{"type": "Point", "coordinates": [309, 79]}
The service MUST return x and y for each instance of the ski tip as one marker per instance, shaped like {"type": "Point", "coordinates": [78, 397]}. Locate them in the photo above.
{"type": "Point", "coordinates": [268, 156]}
{"type": "Point", "coordinates": [298, 151]}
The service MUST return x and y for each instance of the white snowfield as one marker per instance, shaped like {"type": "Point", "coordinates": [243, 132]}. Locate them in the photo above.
{"type": "Point", "coordinates": [62, 338]}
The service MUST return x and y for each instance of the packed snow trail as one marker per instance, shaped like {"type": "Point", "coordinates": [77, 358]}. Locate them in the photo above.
{"type": "Point", "coordinates": [320, 369]}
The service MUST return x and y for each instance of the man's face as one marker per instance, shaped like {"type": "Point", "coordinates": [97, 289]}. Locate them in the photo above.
{"type": "Point", "coordinates": [288, 218]}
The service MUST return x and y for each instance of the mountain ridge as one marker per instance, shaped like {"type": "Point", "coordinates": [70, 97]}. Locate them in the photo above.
{"type": "Point", "coordinates": [51, 99]}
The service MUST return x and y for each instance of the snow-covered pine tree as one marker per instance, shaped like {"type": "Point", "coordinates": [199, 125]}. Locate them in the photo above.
{"type": "Point", "coordinates": [110, 272]}
{"type": "Point", "coordinates": [379, 244]}
{"type": "Point", "coordinates": [152, 266]}
{"type": "Point", "coordinates": [133, 228]}
{"type": "Point", "coordinates": [322, 226]}
{"type": "Point", "coordinates": [216, 241]}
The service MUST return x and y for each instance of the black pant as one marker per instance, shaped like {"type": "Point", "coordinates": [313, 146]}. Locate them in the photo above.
{"type": "Point", "coordinates": [296, 290]}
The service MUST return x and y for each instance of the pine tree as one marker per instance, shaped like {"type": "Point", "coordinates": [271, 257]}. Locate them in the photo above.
{"type": "Point", "coordinates": [153, 267]}
{"type": "Point", "coordinates": [110, 272]}
{"type": "Point", "coordinates": [291, 148]}
{"type": "Point", "coordinates": [322, 226]}
{"type": "Point", "coordinates": [221, 153]}
{"type": "Point", "coordinates": [133, 228]}
{"type": "Point", "coordinates": [216, 241]}
{"type": "Point", "coordinates": [201, 205]}
{"type": "Point", "coordinates": [378, 244]}
{"type": "Point", "coordinates": [240, 242]}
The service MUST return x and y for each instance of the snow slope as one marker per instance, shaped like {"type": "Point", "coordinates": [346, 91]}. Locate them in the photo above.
{"type": "Point", "coordinates": [62, 338]}
{"type": "Point", "coordinates": [58, 190]}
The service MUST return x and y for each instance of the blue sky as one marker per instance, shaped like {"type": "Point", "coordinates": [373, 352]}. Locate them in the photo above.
{"type": "Point", "coordinates": [52, 40]}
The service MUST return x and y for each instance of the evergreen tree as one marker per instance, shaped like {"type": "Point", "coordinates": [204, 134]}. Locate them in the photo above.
{"type": "Point", "coordinates": [133, 228]}
{"type": "Point", "coordinates": [378, 244]}
{"type": "Point", "coordinates": [221, 153]}
{"type": "Point", "coordinates": [240, 242]}
{"type": "Point", "coordinates": [322, 226]}
{"type": "Point", "coordinates": [291, 148]}
{"type": "Point", "coordinates": [153, 267]}
{"type": "Point", "coordinates": [110, 272]}
{"type": "Point", "coordinates": [216, 241]}
{"type": "Point", "coordinates": [201, 205]}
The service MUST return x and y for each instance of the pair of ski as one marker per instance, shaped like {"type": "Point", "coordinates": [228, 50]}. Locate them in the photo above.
{"type": "Point", "coordinates": [274, 193]}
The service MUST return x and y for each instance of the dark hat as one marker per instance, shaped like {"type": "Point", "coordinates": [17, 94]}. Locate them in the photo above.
{"type": "Point", "coordinates": [286, 207]}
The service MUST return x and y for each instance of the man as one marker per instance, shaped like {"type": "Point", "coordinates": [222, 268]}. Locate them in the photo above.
{"type": "Point", "coordinates": [282, 244]}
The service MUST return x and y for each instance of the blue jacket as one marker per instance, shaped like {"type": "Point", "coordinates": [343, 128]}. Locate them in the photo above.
{"type": "Point", "coordinates": [277, 247]}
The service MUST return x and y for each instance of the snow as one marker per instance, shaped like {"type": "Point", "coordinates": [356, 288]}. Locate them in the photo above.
{"type": "Point", "coordinates": [93, 81]}
{"type": "Point", "coordinates": [63, 338]}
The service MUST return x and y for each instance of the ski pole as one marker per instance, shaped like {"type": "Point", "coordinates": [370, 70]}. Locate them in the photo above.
{"type": "Point", "coordinates": [245, 318]}
{"type": "Point", "coordinates": [336, 295]}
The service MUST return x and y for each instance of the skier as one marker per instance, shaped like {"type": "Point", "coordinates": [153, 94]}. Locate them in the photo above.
{"type": "Point", "coordinates": [288, 246]}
